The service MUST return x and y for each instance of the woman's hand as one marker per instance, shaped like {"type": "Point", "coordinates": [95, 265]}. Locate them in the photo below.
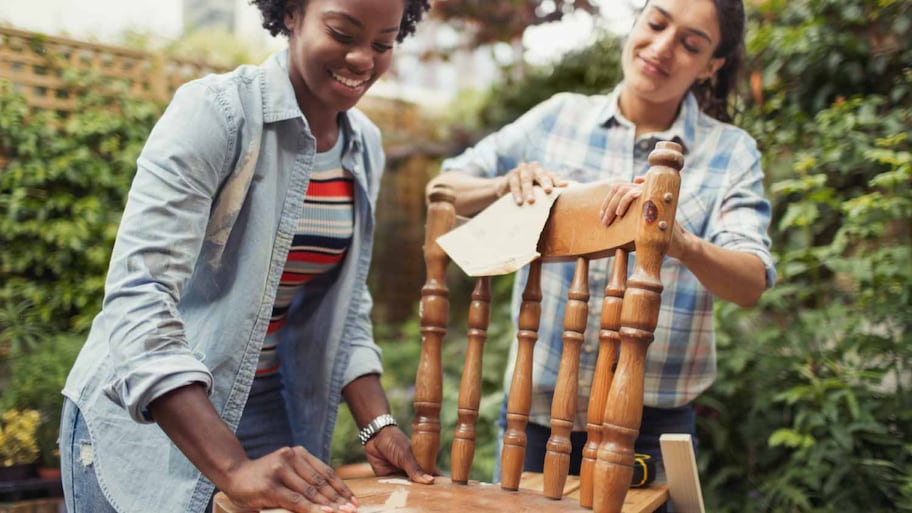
{"type": "Point", "coordinates": [389, 451]}
{"type": "Point", "coordinates": [290, 478]}
{"type": "Point", "coordinates": [520, 180]}
{"type": "Point", "coordinates": [619, 198]}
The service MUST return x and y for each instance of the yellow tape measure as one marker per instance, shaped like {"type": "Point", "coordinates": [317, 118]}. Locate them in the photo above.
{"type": "Point", "coordinates": [643, 470]}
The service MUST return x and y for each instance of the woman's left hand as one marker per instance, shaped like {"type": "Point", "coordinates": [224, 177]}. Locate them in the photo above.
{"type": "Point", "coordinates": [389, 452]}
{"type": "Point", "coordinates": [619, 198]}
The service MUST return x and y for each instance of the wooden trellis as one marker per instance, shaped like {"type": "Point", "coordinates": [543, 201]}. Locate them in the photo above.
{"type": "Point", "coordinates": [34, 64]}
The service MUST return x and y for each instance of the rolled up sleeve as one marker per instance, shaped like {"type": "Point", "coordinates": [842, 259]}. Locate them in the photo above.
{"type": "Point", "coordinates": [365, 353]}
{"type": "Point", "coordinates": [158, 243]}
{"type": "Point", "coordinates": [742, 219]}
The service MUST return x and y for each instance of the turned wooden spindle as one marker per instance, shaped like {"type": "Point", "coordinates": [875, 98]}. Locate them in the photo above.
{"type": "Point", "coordinates": [563, 405]}
{"type": "Point", "coordinates": [434, 312]}
{"type": "Point", "coordinates": [609, 341]}
{"type": "Point", "coordinates": [519, 399]}
{"type": "Point", "coordinates": [463, 451]}
{"type": "Point", "coordinates": [639, 314]}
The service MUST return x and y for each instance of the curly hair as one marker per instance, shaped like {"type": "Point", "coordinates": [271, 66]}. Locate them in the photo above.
{"type": "Point", "coordinates": [274, 15]}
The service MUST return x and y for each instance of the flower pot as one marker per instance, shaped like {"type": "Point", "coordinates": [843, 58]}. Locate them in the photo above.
{"type": "Point", "coordinates": [49, 473]}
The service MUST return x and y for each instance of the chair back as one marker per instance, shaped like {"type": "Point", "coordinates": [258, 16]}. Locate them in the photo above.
{"type": "Point", "coordinates": [629, 313]}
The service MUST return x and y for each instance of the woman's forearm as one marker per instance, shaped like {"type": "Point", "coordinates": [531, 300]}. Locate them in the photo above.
{"type": "Point", "coordinates": [187, 416]}
{"type": "Point", "coordinates": [366, 399]}
{"type": "Point", "coordinates": [727, 274]}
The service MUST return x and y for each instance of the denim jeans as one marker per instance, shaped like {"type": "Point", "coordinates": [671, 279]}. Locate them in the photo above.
{"type": "Point", "coordinates": [81, 490]}
{"type": "Point", "coordinates": [264, 427]}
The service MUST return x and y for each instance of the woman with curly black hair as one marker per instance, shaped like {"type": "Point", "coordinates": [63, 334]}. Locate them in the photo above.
{"type": "Point", "coordinates": [236, 315]}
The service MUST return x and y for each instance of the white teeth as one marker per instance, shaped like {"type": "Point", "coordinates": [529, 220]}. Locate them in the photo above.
{"type": "Point", "coordinates": [347, 81]}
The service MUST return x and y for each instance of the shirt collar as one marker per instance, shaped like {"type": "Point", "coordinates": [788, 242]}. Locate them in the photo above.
{"type": "Point", "coordinates": [682, 129]}
{"type": "Point", "coordinates": [280, 102]}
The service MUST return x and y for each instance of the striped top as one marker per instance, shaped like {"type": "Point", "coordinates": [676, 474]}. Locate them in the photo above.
{"type": "Point", "coordinates": [322, 238]}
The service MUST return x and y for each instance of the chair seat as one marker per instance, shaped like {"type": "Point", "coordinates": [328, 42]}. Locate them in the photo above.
{"type": "Point", "coordinates": [396, 494]}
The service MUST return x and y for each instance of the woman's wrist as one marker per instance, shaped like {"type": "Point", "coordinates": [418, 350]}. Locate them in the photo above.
{"type": "Point", "coordinates": [684, 246]}
{"type": "Point", "coordinates": [501, 185]}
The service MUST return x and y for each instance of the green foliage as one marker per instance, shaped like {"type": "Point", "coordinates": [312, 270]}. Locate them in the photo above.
{"type": "Point", "coordinates": [215, 47]}
{"type": "Point", "coordinates": [811, 411]}
{"type": "Point", "coordinates": [36, 380]}
{"type": "Point", "coordinates": [813, 51]}
{"type": "Point", "coordinates": [17, 437]}
{"type": "Point", "coordinates": [591, 70]}
{"type": "Point", "coordinates": [61, 196]}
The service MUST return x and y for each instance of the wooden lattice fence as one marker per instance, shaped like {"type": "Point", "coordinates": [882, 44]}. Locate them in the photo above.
{"type": "Point", "coordinates": [35, 63]}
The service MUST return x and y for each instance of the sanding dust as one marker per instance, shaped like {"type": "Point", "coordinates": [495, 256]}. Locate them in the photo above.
{"type": "Point", "coordinates": [397, 500]}
{"type": "Point", "coordinates": [395, 480]}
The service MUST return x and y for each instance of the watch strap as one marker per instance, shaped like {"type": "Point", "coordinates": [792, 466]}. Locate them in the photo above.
{"type": "Point", "coordinates": [373, 427]}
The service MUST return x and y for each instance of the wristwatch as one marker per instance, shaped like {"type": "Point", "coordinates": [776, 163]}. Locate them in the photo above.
{"type": "Point", "coordinates": [373, 427]}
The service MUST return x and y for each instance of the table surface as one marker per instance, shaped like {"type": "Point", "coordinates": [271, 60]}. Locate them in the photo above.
{"type": "Point", "coordinates": [378, 495]}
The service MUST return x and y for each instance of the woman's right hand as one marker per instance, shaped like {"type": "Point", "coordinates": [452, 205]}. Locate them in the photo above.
{"type": "Point", "coordinates": [290, 478]}
{"type": "Point", "coordinates": [520, 180]}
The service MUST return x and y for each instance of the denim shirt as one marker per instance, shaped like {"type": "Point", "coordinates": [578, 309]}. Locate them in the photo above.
{"type": "Point", "coordinates": [200, 249]}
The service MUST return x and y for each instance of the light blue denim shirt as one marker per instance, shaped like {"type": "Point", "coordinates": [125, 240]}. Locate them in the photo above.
{"type": "Point", "coordinates": [201, 246]}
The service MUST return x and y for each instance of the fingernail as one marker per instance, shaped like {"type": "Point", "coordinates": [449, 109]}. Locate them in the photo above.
{"type": "Point", "coordinates": [354, 501]}
{"type": "Point", "coordinates": [327, 509]}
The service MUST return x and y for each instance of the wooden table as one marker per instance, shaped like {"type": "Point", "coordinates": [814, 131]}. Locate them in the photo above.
{"type": "Point", "coordinates": [395, 494]}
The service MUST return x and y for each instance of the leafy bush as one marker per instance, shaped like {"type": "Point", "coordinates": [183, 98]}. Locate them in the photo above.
{"type": "Point", "coordinates": [595, 69]}
{"type": "Point", "coordinates": [61, 197]}
{"type": "Point", "coordinates": [17, 437]}
{"type": "Point", "coordinates": [811, 408]}
{"type": "Point", "coordinates": [36, 380]}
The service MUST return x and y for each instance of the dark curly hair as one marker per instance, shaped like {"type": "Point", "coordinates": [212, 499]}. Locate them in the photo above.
{"type": "Point", "coordinates": [274, 15]}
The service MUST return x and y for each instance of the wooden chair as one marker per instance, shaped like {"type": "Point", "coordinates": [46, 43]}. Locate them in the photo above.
{"type": "Point", "coordinates": [629, 312]}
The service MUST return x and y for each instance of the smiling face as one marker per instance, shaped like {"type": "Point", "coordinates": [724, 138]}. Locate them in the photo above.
{"type": "Point", "coordinates": [337, 50]}
{"type": "Point", "coordinates": [670, 47]}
